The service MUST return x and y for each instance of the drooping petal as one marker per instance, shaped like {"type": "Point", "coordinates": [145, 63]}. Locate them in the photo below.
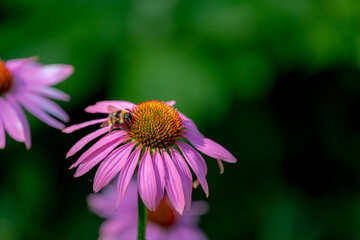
{"type": "Point", "coordinates": [11, 121]}
{"type": "Point", "coordinates": [209, 147]}
{"type": "Point", "coordinates": [85, 140]}
{"type": "Point", "coordinates": [197, 156]}
{"type": "Point", "coordinates": [47, 105]}
{"type": "Point", "coordinates": [50, 92]}
{"type": "Point", "coordinates": [97, 156]}
{"type": "Point", "coordinates": [160, 175]}
{"type": "Point", "coordinates": [189, 124]}
{"type": "Point", "coordinates": [24, 121]}
{"type": "Point", "coordinates": [112, 165]}
{"type": "Point", "coordinates": [126, 174]}
{"type": "Point", "coordinates": [98, 146]}
{"type": "Point", "coordinates": [221, 166]}
{"type": "Point", "coordinates": [196, 163]}
{"type": "Point", "coordinates": [49, 74]}
{"type": "Point", "coordinates": [185, 175]}
{"type": "Point", "coordinates": [35, 109]}
{"type": "Point", "coordinates": [76, 127]}
{"type": "Point", "coordinates": [173, 184]}
{"type": "Point", "coordinates": [101, 107]}
{"type": "Point", "coordinates": [14, 64]}
{"type": "Point", "coordinates": [2, 135]}
{"type": "Point", "coordinates": [147, 181]}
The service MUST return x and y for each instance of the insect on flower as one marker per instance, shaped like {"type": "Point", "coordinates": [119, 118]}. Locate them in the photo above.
{"type": "Point", "coordinates": [151, 137]}
{"type": "Point", "coordinates": [117, 116]}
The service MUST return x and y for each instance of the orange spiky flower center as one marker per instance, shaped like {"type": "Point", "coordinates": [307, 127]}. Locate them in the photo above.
{"type": "Point", "coordinates": [164, 215]}
{"type": "Point", "coordinates": [5, 79]}
{"type": "Point", "coordinates": [155, 124]}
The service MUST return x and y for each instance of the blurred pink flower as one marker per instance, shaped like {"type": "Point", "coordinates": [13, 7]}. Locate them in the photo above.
{"type": "Point", "coordinates": [156, 136]}
{"type": "Point", "coordinates": [162, 224]}
{"type": "Point", "coordinates": [24, 82]}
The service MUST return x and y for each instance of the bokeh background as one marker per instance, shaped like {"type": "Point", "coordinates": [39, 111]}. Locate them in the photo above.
{"type": "Point", "coordinates": [276, 82]}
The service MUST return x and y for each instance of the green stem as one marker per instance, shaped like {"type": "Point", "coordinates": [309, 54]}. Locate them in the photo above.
{"type": "Point", "coordinates": [142, 219]}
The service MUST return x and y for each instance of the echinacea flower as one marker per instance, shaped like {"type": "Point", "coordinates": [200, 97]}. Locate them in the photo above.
{"type": "Point", "coordinates": [162, 224]}
{"type": "Point", "coordinates": [26, 83]}
{"type": "Point", "coordinates": [154, 140]}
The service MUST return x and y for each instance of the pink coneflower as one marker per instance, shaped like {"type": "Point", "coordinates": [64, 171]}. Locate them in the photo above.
{"type": "Point", "coordinates": [162, 224]}
{"type": "Point", "coordinates": [152, 135]}
{"type": "Point", "coordinates": [24, 82]}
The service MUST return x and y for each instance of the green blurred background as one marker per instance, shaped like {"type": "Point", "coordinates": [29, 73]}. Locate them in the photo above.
{"type": "Point", "coordinates": [276, 82]}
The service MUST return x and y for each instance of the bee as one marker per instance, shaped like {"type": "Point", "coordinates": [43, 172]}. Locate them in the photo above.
{"type": "Point", "coordinates": [117, 117]}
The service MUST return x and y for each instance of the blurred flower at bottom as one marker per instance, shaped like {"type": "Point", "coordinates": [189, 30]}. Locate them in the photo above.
{"type": "Point", "coordinates": [163, 224]}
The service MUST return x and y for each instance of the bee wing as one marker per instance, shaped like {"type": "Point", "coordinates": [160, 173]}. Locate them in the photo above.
{"type": "Point", "coordinates": [112, 109]}
{"type": "Point", "coordinates": [105, 123]}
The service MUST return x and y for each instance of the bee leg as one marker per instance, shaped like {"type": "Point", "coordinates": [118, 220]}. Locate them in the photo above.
{"type": "Point", "coordinates": [111, 127]}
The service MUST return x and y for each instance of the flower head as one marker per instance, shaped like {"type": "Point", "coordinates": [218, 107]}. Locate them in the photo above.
{"type": "Point", "coordinates": [24, 82]}
{"type": "Point", "coordinates": [151, 136]}
{"type": "Point", "coordinates": [162, 224]}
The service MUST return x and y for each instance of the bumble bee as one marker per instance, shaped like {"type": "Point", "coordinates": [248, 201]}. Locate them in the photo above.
{"type": "Point", "coordinates": [117, 116]}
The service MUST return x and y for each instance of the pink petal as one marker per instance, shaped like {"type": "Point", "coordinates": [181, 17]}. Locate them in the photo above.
{"type": "Point", "coordinates": [189, 124]}
{"type": "Point", "coordinates": [171, 103]}
{"type": "Point", "coordinates": [47, 105]}
{"type": "Point", "coordinates": [185, 175]}
{"type": "Point", "coordinates": [101, 107]}
{"type": "Point", "coordinates": [35, 109]}
{"type": "Point", "coordinates": [14, 64]}
{"type": "Point", "coordinates": [76, 127]}
{"type": "Point", "coordinates": [181, 232]}
{"type": "Point", "coordinates": [197, 156]}
{"type": "Point", "coordinates": [111, 166]}
{"type": "Point", "coordinates": [120, 226]}
{"type": "Point", "coordinates": [101, 204]}
{"type": "Point", "coordinates": [50, 92]}
{"type": "Point", "coordinates": [159, 169]}
{"type": "Point", "coordinates": [98, 146]}
{"type": "Point", "coordinates": [11, 100]}
{"type": "Point", "coordinates": [157, 232]}
{"type": "Point", "coordinates": [198, 208]}
{"type": "Point", "coordinates": [173, 184]}
{"type": "Point", "coordinates": [209, 147]}
{"type": "Point", "coordinates": [197, 164]}
{"type": "Point", "coordinates": [49, 74]}
{"type": "Point", "coordinates": [112, 109]}
{"type": "Point", "coordinates": [85, 140]}
{"type": "Point", "coordinates": [11, 121]}
{"type": "Point", "coordinates": [97, 156]}
{"type": "Point", "coordinates": [147, 181]}
{"type": "Point", "coordinates": [2, 135]}
{"type": "Point", "coordinates": [126, 175]}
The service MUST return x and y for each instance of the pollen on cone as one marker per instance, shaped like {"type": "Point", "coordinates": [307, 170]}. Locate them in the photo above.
{"type": "Point", "coordinates": [155, 124]}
